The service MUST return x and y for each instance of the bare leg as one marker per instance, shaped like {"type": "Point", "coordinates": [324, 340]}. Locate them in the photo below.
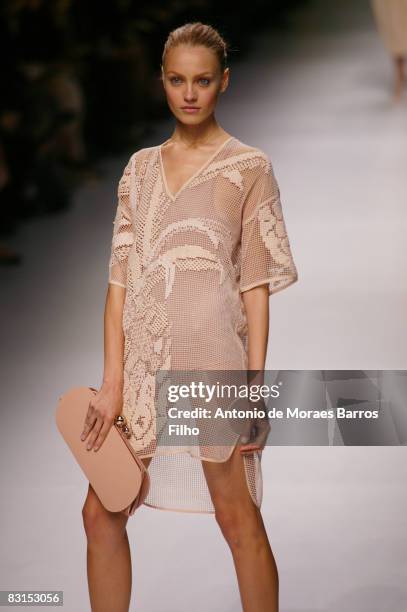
{"type": "Point", "coordinates": [108, 555]}
{"type": "Point", "coordinates": [399, 77]}
{"type": "Point", "coordinates": [242, 526]}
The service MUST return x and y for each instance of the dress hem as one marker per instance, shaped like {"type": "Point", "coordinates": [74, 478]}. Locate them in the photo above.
{"type": "Point", "coordinates": [233, 446]}
{"type": "Point", "coordinates": [178, 509]}
{"type": "Point", "coordinates": [268, 281]}
{"type": "Point", "coordinates": [255, 502]}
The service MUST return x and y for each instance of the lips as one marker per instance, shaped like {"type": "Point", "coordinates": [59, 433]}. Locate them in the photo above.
{"type": "Point", "coordinates": [190, 107]}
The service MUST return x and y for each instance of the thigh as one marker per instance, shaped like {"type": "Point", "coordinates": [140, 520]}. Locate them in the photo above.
{"type": "Point", "coordinates": [227, 482]}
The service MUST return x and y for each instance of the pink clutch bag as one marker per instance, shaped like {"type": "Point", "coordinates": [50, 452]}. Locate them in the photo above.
{"type": "Point", "coordinates": [118, 476]}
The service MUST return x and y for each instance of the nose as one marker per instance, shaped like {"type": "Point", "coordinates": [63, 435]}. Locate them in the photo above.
{"type": "Point", "coordinates": [189, 94]}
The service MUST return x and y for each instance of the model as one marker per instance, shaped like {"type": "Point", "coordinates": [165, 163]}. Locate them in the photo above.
{"type": "Point", "coordinates": [199, 244]}
{"type": "Point", "coordinates": [391, 20]}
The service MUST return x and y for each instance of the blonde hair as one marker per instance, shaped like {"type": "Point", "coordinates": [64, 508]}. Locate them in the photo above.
{"type": "Point", "coordinates": [195, 34]}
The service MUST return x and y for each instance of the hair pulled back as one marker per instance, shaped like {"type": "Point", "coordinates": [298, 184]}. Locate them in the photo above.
{"type": "Point", "coordinates": [197, 33]}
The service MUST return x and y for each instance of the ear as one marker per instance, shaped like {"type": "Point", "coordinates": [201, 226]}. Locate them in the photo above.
{"type": "Point", "coordinates": [225, 80]}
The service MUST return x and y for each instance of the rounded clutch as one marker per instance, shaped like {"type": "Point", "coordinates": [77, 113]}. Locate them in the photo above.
{"type": "Point", "coordinates": [118, 476]}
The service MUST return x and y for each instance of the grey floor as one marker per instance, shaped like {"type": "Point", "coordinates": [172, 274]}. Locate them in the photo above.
{"type": "Point", "coordinates": [318, 103]}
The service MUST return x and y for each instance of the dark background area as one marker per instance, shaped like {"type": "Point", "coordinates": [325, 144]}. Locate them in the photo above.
{"type": "Point", "coordinates": [81, 80]}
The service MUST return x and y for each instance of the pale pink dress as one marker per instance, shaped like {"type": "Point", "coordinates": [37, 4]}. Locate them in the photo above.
{"type": "Point", "coordinates": [185, 260]}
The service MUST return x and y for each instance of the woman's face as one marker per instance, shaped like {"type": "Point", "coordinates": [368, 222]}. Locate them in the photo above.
{"type": "Point", "coordinates": [192, 77]}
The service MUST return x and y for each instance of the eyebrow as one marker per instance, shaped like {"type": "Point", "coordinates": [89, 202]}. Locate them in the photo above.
{"type": "Point", "coordinates": [179, 73]}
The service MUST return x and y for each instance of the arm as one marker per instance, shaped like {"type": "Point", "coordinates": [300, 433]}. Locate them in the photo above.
{"type": "Point", "coordinates": [113, 337]}
{"type": "Point", "coordinates": [267, 266]}
{"type": "Point", "coordinates": [108, 402]}
{"type": "Point", "coordinates": [256, 303]}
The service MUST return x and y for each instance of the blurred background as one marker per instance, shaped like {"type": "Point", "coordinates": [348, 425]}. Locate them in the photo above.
{"type": "Point", "coordinates": [318, 85]}
{"type": "Point", "coordinates": [80, 81]}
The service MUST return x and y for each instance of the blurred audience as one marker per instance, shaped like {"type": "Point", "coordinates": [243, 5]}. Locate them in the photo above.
{"type": "Point", "coordinates": [80, 80]}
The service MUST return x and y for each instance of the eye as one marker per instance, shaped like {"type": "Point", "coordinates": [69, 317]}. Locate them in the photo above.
{"type": "Point", "coordinates": [205, 79]}
{"type": "Point", "coordinates": [172, 79]}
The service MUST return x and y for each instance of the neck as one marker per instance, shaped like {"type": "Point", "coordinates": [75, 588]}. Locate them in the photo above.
{"type": "Point", "coordinates": [206, 133]}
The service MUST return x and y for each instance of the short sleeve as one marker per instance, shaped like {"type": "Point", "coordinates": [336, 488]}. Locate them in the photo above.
{"type": "Point", "coordinates": [123, 235]}
{"type": "Point", "coordinates": [266, 256]}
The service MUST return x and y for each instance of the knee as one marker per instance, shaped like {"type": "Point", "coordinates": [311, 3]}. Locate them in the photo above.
{"type": "Point", "coordinates": [99, 527]}
{"type": "Point", "coordinates": [92, 517]}
{"type": "Point", "coordinates": [240, 529]}
{"type": "Point", "coordinates": [231, 525]}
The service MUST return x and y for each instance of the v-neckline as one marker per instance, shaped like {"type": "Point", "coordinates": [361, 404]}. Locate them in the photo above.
{"type": "Point", "coordinates": [173, 197]}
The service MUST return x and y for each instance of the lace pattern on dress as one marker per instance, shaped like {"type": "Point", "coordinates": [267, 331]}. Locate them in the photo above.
{"type": "Point", "coordinates": [184, 262]}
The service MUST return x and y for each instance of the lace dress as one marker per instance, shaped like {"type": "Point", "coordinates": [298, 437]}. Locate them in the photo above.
{"type": "Point", "coordinates": [185, 260]}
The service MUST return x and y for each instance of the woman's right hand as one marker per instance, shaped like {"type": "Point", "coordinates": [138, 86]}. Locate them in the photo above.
{"type": "Point", "coordinates": [103, 408]}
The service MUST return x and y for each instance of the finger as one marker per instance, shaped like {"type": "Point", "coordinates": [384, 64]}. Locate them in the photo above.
{"type": "Point", "coordinates": [248, 448]}
{"type": "Point", "coordinates": [102, 433]}
{"type": "Point", "coordinates": [85, 433]}
{"type": "Point", "coordinates": [246, 435]}
{"type": "Point", "coordinates": [246, 430]}
{"type": "Point", "coordinates": [241, 424]}
{"type": "Point", "coordinates": [262, 436]}
{"type": "Point", "coordinates": [89, 423]}
{"type": "Point", "coordinates": [95, 432]}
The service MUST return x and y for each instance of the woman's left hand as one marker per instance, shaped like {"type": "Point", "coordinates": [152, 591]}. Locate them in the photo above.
{"type": "Point", "coordinates": [257, 436]}
{"type": "Point", "coordinates": [253, 432]}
